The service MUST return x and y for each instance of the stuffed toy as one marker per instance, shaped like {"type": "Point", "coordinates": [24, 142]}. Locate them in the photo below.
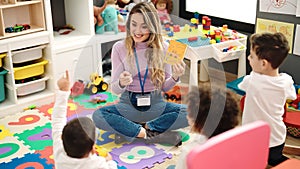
{"type": "Point", "coordinates": [97, 14]}
{"type": "Point", "coordinates": [114, 4]}
{"type": "Point", "coordinates": [110, 21]}
{"type": "Point", "coordinates": [164, 8]}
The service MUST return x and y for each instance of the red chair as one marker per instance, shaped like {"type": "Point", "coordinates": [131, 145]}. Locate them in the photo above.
{"type": "Point", "coordinates": [244, 147]}
{"type": "Point", "coordinates": [289, 164]}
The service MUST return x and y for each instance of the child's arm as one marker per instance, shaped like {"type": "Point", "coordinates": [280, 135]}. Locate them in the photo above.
{"type": "Point", "coordinates": [244, 83]}
{"type": "Point", "coordinates": [60, 111]}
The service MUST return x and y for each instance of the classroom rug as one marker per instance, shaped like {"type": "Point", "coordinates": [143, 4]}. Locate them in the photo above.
{"type": "Point", "coordinates": [26, 141]}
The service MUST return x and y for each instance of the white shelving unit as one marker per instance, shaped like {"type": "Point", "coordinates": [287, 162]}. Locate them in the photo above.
{"type": "Point", "coordinates": [79, 51]}
{"type": "Point", "coordinates": [23, 12]}
{"type": "Point", "coordinates": [14, 103]}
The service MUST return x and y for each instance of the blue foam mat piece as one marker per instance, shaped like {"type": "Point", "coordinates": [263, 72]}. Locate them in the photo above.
{"type": "Point", "coordinates": [233, 85]}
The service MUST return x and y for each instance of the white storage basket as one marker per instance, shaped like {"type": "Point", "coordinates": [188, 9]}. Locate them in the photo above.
{"type": "Point", "coordinates": [221, 56]}
{"type": "Point", "coordinates": [28, 54]}
{"type": "Point", "coordinates": [31, 87]}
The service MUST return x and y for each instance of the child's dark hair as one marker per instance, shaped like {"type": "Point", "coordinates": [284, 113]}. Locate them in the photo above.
{"type": "Point", "coordinates": [272, 47]}
{"type": "Point", "coordinates": [213, 110]}
{"type": "Point", "coordinates": [79, 137]}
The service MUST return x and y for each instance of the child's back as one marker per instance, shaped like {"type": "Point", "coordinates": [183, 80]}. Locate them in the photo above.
{"type": "Point", "coordinates": [267, 90]}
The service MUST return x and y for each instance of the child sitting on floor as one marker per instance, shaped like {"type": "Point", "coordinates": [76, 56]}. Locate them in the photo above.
{"type": "Point", "coordinates": [74, 142]}
{"type": "Point", "coordinates": [212, 110]}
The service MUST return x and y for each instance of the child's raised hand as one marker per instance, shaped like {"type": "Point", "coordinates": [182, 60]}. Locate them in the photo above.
{"type": "Point", "coordinates": [64, 82]}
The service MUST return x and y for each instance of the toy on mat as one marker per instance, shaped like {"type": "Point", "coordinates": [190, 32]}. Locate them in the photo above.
{"type": "Point", "coordinates": [30, 107]}
{"type": "Point", "coordinates": [97, 100]}
{"type": "Point", "coordinates": [77, 88]}
{"type": "Point", "coordinates": [97, 84]}
{"type": "Point", "coordinates": [174, 94]}
{"type": "Point", "coordinates": [101, 151]}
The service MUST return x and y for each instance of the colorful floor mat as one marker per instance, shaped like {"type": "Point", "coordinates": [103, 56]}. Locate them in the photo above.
{"type": "Point", "coordinates": [26, 142]}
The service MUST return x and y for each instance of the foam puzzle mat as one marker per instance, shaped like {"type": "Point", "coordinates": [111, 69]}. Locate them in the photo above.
{"type": "Point", "coordinates": [26, 140]}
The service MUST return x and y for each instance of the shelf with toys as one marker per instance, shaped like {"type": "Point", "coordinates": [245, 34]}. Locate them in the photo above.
{"type": "Point", "coordinates": [204, 42]}
{"type": "Point", "coordinates": [27, 64]}
{"type": "Point", "coordinates": [21, 17]}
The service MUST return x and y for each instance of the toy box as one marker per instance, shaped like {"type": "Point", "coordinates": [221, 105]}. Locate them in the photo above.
{"type": "Point", "coordinates": [2, 89]}
{"type": "Point", "coordinates": [228, 50]}
{"type": "Point", "coordinates": [2, 55]}
{"type": "Point", "coordinates": [27, 54]}
{"type": "Point", "coordinates": [34, 69]}
{"type": "Point", "coordinates": [31, 87]}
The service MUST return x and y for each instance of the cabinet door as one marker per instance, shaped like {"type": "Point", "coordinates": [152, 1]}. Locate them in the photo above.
{"type": "Point", "coordinates": [79, 62]}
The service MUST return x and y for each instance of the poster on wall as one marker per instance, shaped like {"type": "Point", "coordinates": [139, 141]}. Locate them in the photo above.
{"type": "Point", "coordinates": [282, 7]}
{"type": "Point", "coordinates": [298, 9]}
{"type": "Point", "coordinates": [265, 25]}
{"type": "Point", "coordinates": [297, 41]}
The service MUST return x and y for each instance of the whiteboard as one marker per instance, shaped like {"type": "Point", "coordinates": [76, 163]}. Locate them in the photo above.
{"type": "Point", "coordinates": [236, 10]}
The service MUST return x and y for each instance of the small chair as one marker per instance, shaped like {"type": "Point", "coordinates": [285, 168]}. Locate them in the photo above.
{"type": "Point", "coordinates": [244, 147]}
{"type": "Point", "coordinates": [289, 164]}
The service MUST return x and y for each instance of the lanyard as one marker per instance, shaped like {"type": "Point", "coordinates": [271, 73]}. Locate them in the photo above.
{"type": "Point", "coordinates": [142, 84]}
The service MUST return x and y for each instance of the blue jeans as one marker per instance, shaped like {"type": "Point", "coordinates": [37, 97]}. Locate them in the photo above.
{"type": "Point", "coordinates": [126, 117]}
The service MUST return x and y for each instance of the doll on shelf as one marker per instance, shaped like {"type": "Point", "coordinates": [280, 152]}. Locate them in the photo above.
{"type": "Point", "coordinates": [164, 8]}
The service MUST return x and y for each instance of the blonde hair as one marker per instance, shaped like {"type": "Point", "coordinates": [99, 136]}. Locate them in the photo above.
{"type": "Point", "coordinates": [155, 52]}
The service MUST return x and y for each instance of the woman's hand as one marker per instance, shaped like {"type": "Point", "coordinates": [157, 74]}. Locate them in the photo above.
{"type": "Point", "coordinates": [125, 79]}
{"type": "Point", "coordinates": [178, 70]}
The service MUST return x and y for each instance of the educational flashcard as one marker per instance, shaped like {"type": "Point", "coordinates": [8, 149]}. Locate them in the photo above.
{"type": "Point", "coordinates": [278, 6]}
{"type": "Point", "coordinates": [297, 41]}
{"type": "Point", "coordinates": [175, 52]}
{"type": "Point", "coordinates": [265, 25]}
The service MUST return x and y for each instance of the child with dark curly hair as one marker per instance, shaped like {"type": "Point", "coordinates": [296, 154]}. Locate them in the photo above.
{"type": "Point", "coordinates": [212, 110]}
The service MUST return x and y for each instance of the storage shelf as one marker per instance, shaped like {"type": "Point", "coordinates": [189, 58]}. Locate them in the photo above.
{"type": "Point", "coordinates": [27, 12]}
{"type": "Point", "coordinates": [23, 3]}
{"type": "Point", "coordinates": [31, 30]}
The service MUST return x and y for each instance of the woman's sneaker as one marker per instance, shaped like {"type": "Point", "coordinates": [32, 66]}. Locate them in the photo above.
{"type": "Point", "coordinates": [168, 137]}
{"type": "Point", "coordinates": [119, 139]}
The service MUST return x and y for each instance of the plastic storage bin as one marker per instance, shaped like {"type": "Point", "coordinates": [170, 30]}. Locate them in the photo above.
{"type": "Point", "coordinates": [222, 56]}
{"type": "Point", "coordinates": [2, 89]}
{"type": "Point", "coordinates": [2, 55]}
{"type": "Point", "coordinates": [31, 87]}
{"type": "Point", "coordinates": [28, 54]}
{"type": "Point", "coordinates": [31, 70]}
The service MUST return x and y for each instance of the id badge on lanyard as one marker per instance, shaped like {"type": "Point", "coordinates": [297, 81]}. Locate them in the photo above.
{"type": "Point", "coordinates": [142, 100]}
